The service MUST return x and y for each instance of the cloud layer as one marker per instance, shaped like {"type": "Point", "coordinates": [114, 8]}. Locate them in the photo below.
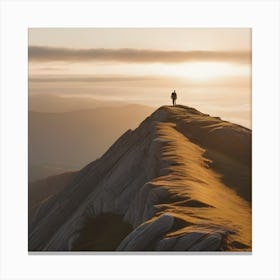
{"type": "Point", "coordinates": [45, 54]}
{"type": "Point", "coordinates": [138, 81]}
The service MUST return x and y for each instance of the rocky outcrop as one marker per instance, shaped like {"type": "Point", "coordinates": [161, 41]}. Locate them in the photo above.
{"type": "Point", "coordinates": [142, 237]}
{"type": "Point", "coordinates": [174, 179]}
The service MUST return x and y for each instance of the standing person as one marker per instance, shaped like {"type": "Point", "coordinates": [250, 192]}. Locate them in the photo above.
{"type": "Point", "coordinates": [174, 97]}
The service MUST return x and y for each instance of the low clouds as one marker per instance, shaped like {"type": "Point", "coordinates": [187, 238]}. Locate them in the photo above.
{"type": "Point", "coordinates": [92, 79]}
{"type": "Point", "coordinates": [47, 54]}
{"type": "Point", "coordinates": [136, 81]}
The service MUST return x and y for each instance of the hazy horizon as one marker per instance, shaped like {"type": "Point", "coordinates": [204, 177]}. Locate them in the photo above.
{"type": "Point", "coordinates": [210, 69]}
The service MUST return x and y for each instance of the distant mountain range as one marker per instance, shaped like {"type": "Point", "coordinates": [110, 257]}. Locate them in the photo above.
{"type": "Point", "coordinates": [60, 142]}
{"type": "Point", "coordinates": [51, 103]}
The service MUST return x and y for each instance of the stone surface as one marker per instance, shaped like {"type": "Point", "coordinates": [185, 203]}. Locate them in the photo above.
{"type": "Point", "coordinates": [210, 243]}
{"type": "Point", "coordinates": [185, 242]}
{"type": "Point", "coordinates": [144, 235]}
{"type": "Point", "coordinates": [166, 244]}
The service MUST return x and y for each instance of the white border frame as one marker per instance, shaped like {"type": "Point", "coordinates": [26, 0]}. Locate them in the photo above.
{"type": "Point", "coordinates": [17, 16]}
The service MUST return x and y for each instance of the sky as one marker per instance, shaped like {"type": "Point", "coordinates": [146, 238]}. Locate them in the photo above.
{"type": "Point", "coordinates": [209, 68]}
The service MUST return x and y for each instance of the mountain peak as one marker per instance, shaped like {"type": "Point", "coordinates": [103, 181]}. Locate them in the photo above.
{"type": "Point", "coordinates": [181, 180]}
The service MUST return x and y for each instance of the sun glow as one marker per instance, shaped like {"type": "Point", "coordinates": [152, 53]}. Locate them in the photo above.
{"type": "Point", "coordinates": [197, 71]}
{"type": "Point", "coordinates": [204, 70]}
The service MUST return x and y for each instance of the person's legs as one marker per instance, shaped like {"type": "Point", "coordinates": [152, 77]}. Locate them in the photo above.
{"type": "Point", "coordinates": [173, 101]}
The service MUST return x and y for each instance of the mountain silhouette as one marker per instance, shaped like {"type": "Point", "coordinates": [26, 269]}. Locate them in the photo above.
{"type": "Point", "coordinates": [181, 181]}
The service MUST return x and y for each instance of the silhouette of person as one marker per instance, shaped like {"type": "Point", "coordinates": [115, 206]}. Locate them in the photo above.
{"type": "Point", "coordinates": [174, 97]}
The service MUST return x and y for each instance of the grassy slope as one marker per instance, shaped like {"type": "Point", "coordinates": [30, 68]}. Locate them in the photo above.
{"type": "Point", "coordinates": [205, 202]}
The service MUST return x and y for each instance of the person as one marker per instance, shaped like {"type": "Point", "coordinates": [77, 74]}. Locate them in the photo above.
{"type": "Point", "coordinates": [174, 97]}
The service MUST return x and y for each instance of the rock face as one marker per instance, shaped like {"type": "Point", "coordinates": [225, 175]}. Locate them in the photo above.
{"type": "Point", "coordinates": [145, 234]}
{"type": "Point", "coordinates": [40, 190]}
{"type": "Point", "coordinates": [182, 179]}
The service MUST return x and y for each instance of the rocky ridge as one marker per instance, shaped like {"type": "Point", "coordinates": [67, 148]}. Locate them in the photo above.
{"type": "Point", "coordinates": [182, 180]}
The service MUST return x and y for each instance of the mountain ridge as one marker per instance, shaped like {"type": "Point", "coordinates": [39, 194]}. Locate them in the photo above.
{"type": "Point", "coordinates": [173, 179]}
